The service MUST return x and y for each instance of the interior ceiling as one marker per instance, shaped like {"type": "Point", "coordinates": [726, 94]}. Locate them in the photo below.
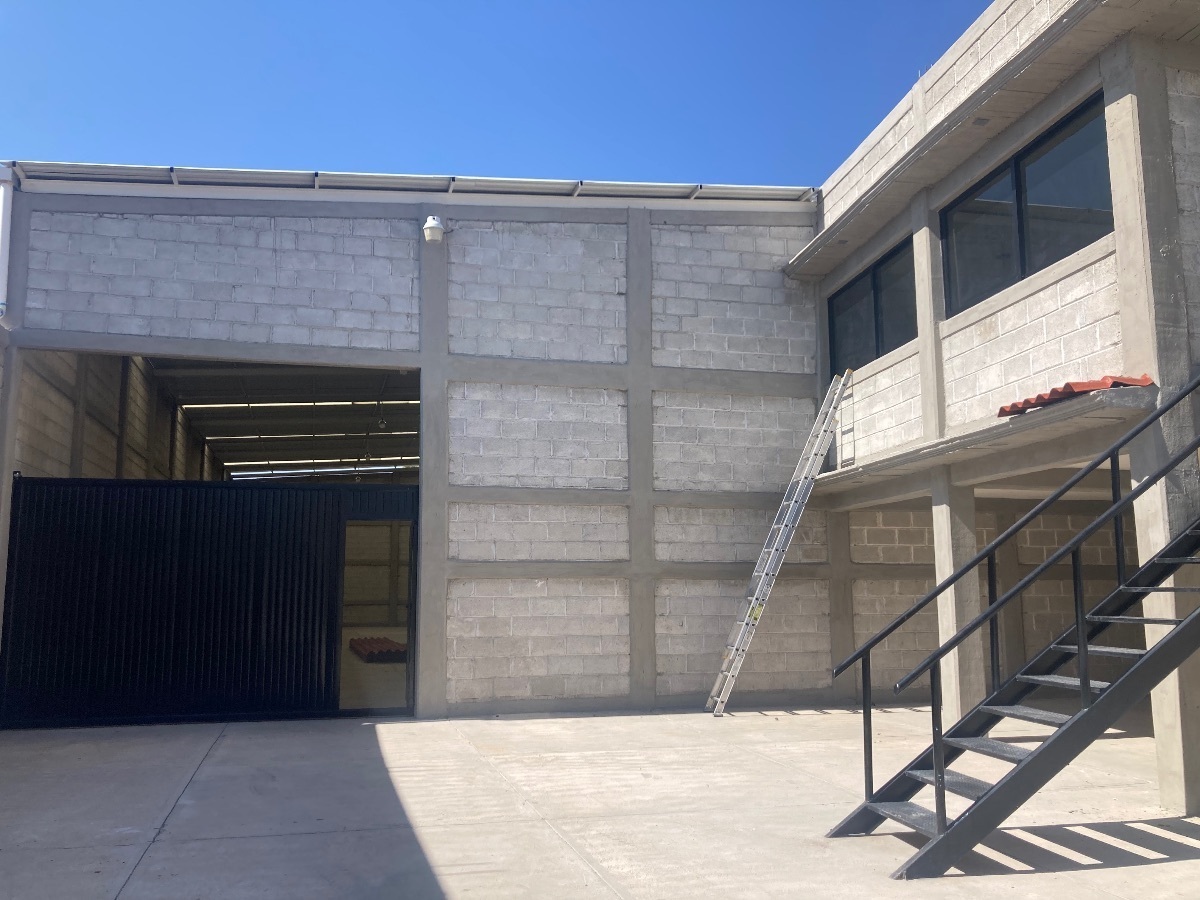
{"type": "Point", "coordinates": [289, 418]}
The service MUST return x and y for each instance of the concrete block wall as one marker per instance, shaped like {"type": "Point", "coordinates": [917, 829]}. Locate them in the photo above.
{"type": "Point", "coordinates": [522, 639]}
{"type": "Point", "coordinates": [515, 531]}
{"type": "Point", "coordinates": [898, 536]}
{"type": "Point", "coordinates": [876, 603]}
{"type": "Point", "coordinates": [720, 299]}
{"type": "Point", "coordinates": [550, 366]}
{"type": "Point", "coordinates": [903, 540]}
{"type": "Point", "coordinates": [542, 469]}
{"type": "Point", "coordinates": [538, 290]}
{"type": "Point", "coordinates": [1067, 330]}
{"type": "Point", "coordinates": [538, 436]}
{"type": "Point", "coordinates": [790, 650]}
{"type": "Point", "coordinates": [44, 427]}
{"type": "Point", "coordinates": [728, 442]}
{"type": "Point", "coordinates": [881, 411]}
{"type": "Point", "coordinates": [697, 534]}
{"type": "Point", "coordinates": [65, 392]}
{"type": "Point", "coordinates": [310, 281]}
{"type": "Point", "coordinates": [1183, 105]}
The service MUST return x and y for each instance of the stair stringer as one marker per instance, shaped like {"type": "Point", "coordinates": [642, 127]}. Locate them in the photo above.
{"type": "Point", "coordinates": [978, 722]}
{"type": "Point", "coordinates": [1055, 753]}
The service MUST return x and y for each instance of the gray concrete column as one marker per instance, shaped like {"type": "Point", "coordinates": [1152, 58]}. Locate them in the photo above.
{"type": "Point", "coordinates": [643, 662]}
{"type": "Point", "coordinates": [963, 669]}
{"type": "Point", "coordinates": [1155, 337]}
{"type": "Point", "coordinates": [927, 265]}
{"type": "Point", "coordinates": [841, 604]}
{"type": "Point", "coordinates": [430, 690]}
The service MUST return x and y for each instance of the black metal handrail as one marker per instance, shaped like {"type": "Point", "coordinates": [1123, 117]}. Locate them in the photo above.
{"type": "Point", "coordinates": [1113, 514]}
{"type": "Point", "coordinates": [1070, 548]}
{"type": "Point", "coordinates": [1108, 456]}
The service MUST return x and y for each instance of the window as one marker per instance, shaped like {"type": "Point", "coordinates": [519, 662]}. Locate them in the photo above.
{"type": "Point", "coordinates": [875, 313]}
{"type": "Point", "coordinates": [1048, 201]}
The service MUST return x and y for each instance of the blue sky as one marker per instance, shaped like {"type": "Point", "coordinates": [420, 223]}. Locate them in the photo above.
{"type": "Point", "coordinates": [734, 91]}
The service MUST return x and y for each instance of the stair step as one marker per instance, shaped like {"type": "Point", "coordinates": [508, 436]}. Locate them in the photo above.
{"type": "Point", "coordinates": [1066, 682]}
{"type": "Point", "coordinates": [988, 747]}
{"type": "Point", "coordinates": [956, 782]}
{"type": "Point", "coordinates": [1133, 620]}
{"type": "Point", "coordinates": [1030, 714]}
{"type": "Point", "coordinates": [1178, 560]}
{"type": "Point", "coordinates": [913, 815]}
{"type": "Point", "coordinates": [1130, 589]}
{"type": "Point", "coordinates": [1098, 650]}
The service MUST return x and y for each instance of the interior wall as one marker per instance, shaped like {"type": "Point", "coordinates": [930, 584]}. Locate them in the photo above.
{"type": "Point", "coordinates": [97, 416]}
{"type": "Point", "coordinates": [376, 589]}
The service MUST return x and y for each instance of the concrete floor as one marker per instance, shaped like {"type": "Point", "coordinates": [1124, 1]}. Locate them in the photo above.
{"type": "Point", "coordinates": [671, 805]}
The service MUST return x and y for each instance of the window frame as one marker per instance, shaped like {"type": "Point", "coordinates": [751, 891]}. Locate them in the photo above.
{"type": "Point", "coordinates": [1013, 167]}
{"type": "Point", "coordinates": [872, 273]}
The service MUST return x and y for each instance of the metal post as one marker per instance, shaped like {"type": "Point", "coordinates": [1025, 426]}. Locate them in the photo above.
{"type": "Point", "coordinates": [1118, 528]}
{"type": "Point", "coordinates": [994, 623]}
{"type": "Point", "coordinates": [868, 768]}
{"type": "Point", "coordinates": [939, 751]}
{"type": "Point", "coordinates": [1081, 632]}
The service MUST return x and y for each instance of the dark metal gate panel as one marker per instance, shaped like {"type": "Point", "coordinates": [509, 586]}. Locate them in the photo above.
{"type": "Point", "coordinates": [131, 600]}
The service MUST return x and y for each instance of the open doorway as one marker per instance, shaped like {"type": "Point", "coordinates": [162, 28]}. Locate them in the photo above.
{"type": "Point", "coordinates": [249, 522]}
{"type": "Point", "coordinates": [377, 604]}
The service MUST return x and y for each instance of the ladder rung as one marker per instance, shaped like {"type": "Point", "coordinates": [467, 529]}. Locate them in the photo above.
{"type": "Point", "coordinates": [783, 529]}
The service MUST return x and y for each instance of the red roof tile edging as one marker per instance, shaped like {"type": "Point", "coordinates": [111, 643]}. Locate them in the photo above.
{"type": "Point", "coordinates": [1074, 389]}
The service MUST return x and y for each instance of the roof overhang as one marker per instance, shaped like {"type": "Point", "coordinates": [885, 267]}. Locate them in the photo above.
{"type": "Point", "coordinates": [1065, 434]}
{"type": "Point", "coordinates": [164, 180]}
{"type": "Point", "coordinates": [1063, 47]}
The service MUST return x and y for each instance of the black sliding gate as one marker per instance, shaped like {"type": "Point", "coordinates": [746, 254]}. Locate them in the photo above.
{"type": "Point", "coordinates": [151, 600]}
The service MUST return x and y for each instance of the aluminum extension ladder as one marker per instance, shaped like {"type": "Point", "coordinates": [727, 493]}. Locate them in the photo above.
{"type": "Point", "coordinates": [776, 546]}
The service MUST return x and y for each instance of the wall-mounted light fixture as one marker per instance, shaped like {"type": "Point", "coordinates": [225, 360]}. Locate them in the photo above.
{"type": "Point", "coordinates": [434, 229]}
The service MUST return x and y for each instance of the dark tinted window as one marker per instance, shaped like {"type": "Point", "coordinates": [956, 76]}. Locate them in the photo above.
{"type": "Point", "coordinates": [852, 322]}
{"type": "Point", "coordinates": [991, 240]}
{"type": "Point", "coordinates": [1068, 200]}
{"type": "Point", "coordinates": [875, 313]}
{"type": "Point", "coordinates": [981, 238]}
{"type": "Point", "coordinates": [896, 287]}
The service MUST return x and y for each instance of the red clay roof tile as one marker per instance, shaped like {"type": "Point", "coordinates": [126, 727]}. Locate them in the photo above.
{"type": "Point", "coordinates": [1074, 389]}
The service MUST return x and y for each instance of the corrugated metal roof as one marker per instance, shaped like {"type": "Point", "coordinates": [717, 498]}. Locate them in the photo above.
{"type": "Point", "coordinates": [188, 175]}
{"type": "Point", "coordinates": [1074, 389]}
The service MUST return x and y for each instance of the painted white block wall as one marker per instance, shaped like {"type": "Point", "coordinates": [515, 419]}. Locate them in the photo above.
{"type": "Point", "coordinates": [720, 299]}
{"type": "Point", "coordinates": [1067, 330]}
{"type": "Point", "coordinates": [515, 531]}
{"type": "Point", "coordinates": [538, 436]}
{"type": "Point", "coordinates": [537, 290]}
{"type": "Point", "coordinates": [790, 650]}
{"type": "Point", "coordinates": [551, 638]}
{"type": "Point", "coordinates": [727, 442]}
{"type": "Point", "coordinates": [329, 282]}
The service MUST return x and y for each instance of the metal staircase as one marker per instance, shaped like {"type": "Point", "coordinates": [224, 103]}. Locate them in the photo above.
{"type": "Point", "coordinates": [1063, 666]}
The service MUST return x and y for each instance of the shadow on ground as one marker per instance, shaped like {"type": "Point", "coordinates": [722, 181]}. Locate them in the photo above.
{"type": "Point", "coordinates": [1043, 849]}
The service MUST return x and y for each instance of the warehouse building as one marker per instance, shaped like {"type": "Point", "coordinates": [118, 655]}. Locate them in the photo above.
{"type": "Point", "coordinates": [523, 440]}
